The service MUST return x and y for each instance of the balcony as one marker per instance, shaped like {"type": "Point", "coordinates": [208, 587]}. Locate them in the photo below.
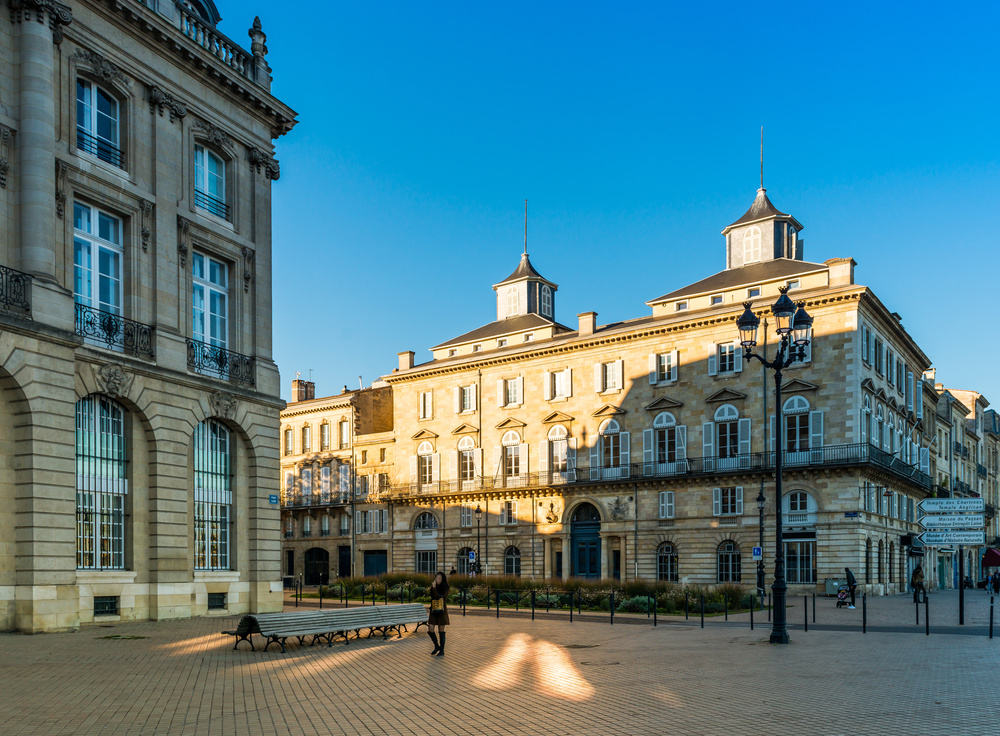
{"type": "Point", "coordinates": [99, 148]}
{"type": "Point", "coordinates": [962, 489]}
{"type": "Point", "coordinates": [15, 289]}
{"type": "Point", "coordinates": [114, 332]}
{"type": "Point", "coordinates": [980, 470]}
{"type": "Point", "coordinates": [212, 204]}
{"type": "Point", "coordinates": [217, 361]}
{"type": "Point", "coordinates": [825, 457]}
{"type": "Point", "coordinates": [313, 501]}
{"type": "Point", "coordinates": [957, 446]}
{"type": "Point", "coordinates": [218, 45]}
{"type": "Point", "coordinates": [943, 491]}
{"type": "Point", "coordinates": [991, 511]}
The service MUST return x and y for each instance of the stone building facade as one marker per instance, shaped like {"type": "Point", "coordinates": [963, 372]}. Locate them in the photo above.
{"type": "Point", "coordinates": [139, 399]}
{"type": "Point", "coordinates": [638, 449]}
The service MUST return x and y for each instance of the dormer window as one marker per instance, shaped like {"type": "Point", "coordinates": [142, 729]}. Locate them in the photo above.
{"type": "Point", "coordinates": [477, 347]}
{"type": "Point", "coordinates": [681, 306]}
{"type": "Point", "coordinates": [546, 301]}
{"type": "Point", "coordinates": [753, 292]}
{"type": "Point", "coordinates": [751, 245]}
{"type": "Point", "coordinates": [502, 342]}
{"type": "Point", "coordinates": [513, 302]}
{"type": "Point", "coordinates": [794, 284]}
{"type": "Point", "coordinates": [715, 299]}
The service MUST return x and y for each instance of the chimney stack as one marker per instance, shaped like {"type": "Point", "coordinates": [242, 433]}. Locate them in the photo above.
{"type": "Point", "coordinates": [406, 360]}
{"type": "Point", "coordinates": [588, 323]}
{"type": "Point", "coordinates": [303, 390]}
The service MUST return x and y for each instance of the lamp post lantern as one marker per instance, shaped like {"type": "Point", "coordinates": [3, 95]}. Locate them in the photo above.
{"type": "Point", "coordinates": [794, 327]}
{"type": "Point", "coordinates": [478, 567]}
{"type": "Point", "coordinates": [760, 563]}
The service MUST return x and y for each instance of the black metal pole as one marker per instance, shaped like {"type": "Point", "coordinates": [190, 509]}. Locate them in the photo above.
{"type": "Point", "coordinates": [532, 605]}
{"type": "Point", "coordinates": [725, 606]}
{"type": "Point", "coordinates": [916, 604]}
{"type": "Point", "coordinates": [805, 611]}
{"type": "Point", "coordinates": [814, 608]}
{"type": "Point", "coordinates": [612, 603]}
{"type": "Point", "coordinates": [463, 600]}
{"type": "Point", "coordinates": [686, 606]}
{"type": "Point", "coordinates": [961, 586]}
{"type": "Point", "coordinates": [991, 617]}
{"type": "Point", "coordinates": [498, 604]}
{"type": "Point", "coordinates": [703, 611]}
{"type": "Point", "coordinates": [927, 617]}
{"type": "Point", "coordinates": [321, 597]}
{"type": "Point", "coordinates": [760, 562]}
{"type": "Point", "coordinates": [864, 613]}
{"type": "Point", "coordinates": [479, 547]}
{"type": "Point", "coordinates": [779, 629]}
{"type": "Point", "coordinates": [571, 606]}
{"type": "Point", "coordinates": [751, 618]}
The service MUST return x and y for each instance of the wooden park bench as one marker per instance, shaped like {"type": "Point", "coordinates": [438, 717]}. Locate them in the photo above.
{"type": "Point", "coordinates": [244, 630]}
{"type": "Point", "coordinates": [395, 618]}
{"type": "Point", "coordinates": [323, 625]}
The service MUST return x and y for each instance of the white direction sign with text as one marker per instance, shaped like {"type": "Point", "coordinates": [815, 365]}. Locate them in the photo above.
{"type": "Point", "coordinates": [952, 521]}
{"type": "Point", "coordinates": [952, 505]}
{"type": "Point", "coordinates": [937, 539]}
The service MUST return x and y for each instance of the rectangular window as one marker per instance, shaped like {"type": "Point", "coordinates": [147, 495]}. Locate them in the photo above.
{"type": "Point", "coordinates": [306, 478]}
{"type": "Point", "coordinates": [465, 518]}
{"type": "Point", "coordinates": [666, 445]}
{"type": "Point", "coordinates": [560, 456]}
{"type": "Point", "coordinates": [715, 299]}
{"type": "Point", "coordinates": [452, 352]}
{"type": "Point", "coordinates": [467, 402]}
{"type": "Point", "coordinates": [890, 367]}
{"type": "Point", "coordinates": [512, 461]}
{"type": "Point", "coordinates": [866, 343]}
{"type": "Point", "coordinates": [611, 448]}
{"type": "Point", "coordinates": [609, 374]}
{"type": "Point", "coordinates": [560, 384]}
{"type": "Point", "coordinates": [324, 484]}
{"type": "Point", "coordinates": [426, 404]}
{"type": "Point", "coordinates": [664, 367]}
{"type": "Point", "coordinates": [793, 284]}
{"type": "Point", "coordinates": [345, 434]}
{"type": "Point", "coordinates": [363, 485]}
{"type": "Point", "coordinates": [345, 525]}
{"type": "Point", "coordinates": [512, 391]}
{"type": "Point", "coordinates": [529, 337]}
{"type": "Point", "coordinates": [210, 302]}
{"type": "Point", "coordinates": [879, 356]}
{"type": "Point", "coordinates": [212, 496]}
{"type": "Point", "coordinates": [307, 439]}
{"type": "Point", "coordinates": [800, 561]}
{"type": "Point", "coordinates": [666, 504]}
{"type": "Point", "coordinates": [753, 292]}
{"type": "Point", "coordinates": [289, 442]}
{"type": "Point", "coordinates": [324, 436]}
{"type": "Point", "coordinates": [477, 347]}
{"type": "Point", "coordinates": [467, 465]}
{"type": "Point", "coordinates": [425, 466]}
{"type": "Point", "coordinates": [101, 485]}
{"type": "Point", "coordinates": [727, 357]}
{"type": "Point", "coordinates": [307, 526]}
{"type": "Point", "coordinates": [98, 258]}
{"type": "Point", "coordinates": [427, 562]}
{"type": "Point", "coordinates": [508, 513]}
{"type": "Point", "coordinates": [797, 432]}
{"type": "Point", "coordinates": [105, 605]}
{"type": "Point", "coordinates": [728, 501]}
{"type": "Point", "coordinates": [502, 342]}
{"type": "Point", "coordinates": [210, 182]}
{"type": "Point", "coordinates": [681, 306]}
{"type": "Point", "coordinates": [98, 122]}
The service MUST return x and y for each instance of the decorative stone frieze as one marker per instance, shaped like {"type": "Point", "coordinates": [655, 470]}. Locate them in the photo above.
{"type": "Point", "coordinates": [223, 405]}
{"type": "Point", "coordinates": [102, 67]}
{"type": "Point", "coordinates": [146, 212]}
{"type": "Point", "coordinates": [247, 269]}
{"type": "Point", "coordinates": [160, 100]}
{"type": "Point", "coordinates": [213, 133]}
{"type": "Point", "coordinates": [113, 380]}
{"type": "Point", "coordinates": [260, 160]}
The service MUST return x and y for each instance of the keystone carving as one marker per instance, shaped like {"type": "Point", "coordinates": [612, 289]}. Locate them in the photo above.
{"type": "Point", "coordinates": [247, 269]}
{"type": "Point", "coordinates": [146, 213]}
{"type": "Point", "coordinates": [113, 380]}
{"type": "Point", "coordinates": [158, 100]}
{"type": "Point", "coordinates": [57, 14]}
{"type": "Point", "coordinates": [260, 160]}
{"type": "Point", "coordinates": [6, 143]}
{"type": "Point", "coordinates": [61, 168]}
{"type": "Point", "coordinates": [103, 68]}
{"type": "Point", "coordinates": [183, 226]}
{"type": "Point", "coordinates": [223, 404]}
{"type": "Point", "coordinates": [214, 134]}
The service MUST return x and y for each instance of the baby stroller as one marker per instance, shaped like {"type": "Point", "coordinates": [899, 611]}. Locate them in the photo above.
{"type": "Point", "coordinates": [843, 596]}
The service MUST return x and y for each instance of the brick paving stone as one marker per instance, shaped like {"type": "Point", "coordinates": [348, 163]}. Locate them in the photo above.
{"type": "Point", "coordinates": [505, 676]}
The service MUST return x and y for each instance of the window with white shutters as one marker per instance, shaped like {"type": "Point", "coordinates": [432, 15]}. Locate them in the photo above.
{"type": "Point", "coordinates": [666, 504]}
{"type": "Point", "coordinates": [324, 436]}
{"type": "Point", "coordinates": [508, 513]}
{"type": "Point", "coordinates": [426, 407]}
{"type": "Point", "coordinates": [727, 501]}
{"type": "Point", "coordinates": [465, 517]}
{"type": "Point", "coordinates": [307, 438]}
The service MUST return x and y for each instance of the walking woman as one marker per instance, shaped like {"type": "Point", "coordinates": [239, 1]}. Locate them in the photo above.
{"type": "Point", "coordinates": [439, 612]}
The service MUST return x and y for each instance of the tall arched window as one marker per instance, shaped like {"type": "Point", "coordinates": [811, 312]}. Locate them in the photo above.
{"type": "Point", "coordinates": [426, 520]}
{"type": "Point", "coordinates": [546, 301]}
{"type": "Point", "coordinates": [98, 123]}
{"type": "Point", "coordinates": [425, 463]}
{"type": "Point", "coordinates": [611, 448]}
{"type": "Point", "coordinates": [727, 435]}
{"type": "Point", "coordinates": [666, 563]}
{"type": "Point", "coordinates": [881, 550]}
{"type": "Point", "coordinates": [866, 420]}
{"type": "Point", "coordinates": [513, 301]}
{"type": "Point", "coordinates": [466, 459]}
{"type": "Point", "coordinates": [665, 437]}
{"type": "Point", "coordinates": [101, 485]}
{"type": "Point", "coordinates": [512, 561]}
{"type": "Point", "coordinates": [890, 433]}
{"type": "Point", "coordinates": [878, 434]}
{"type": "Point", "coordinates": [751, 245]}
{"type": "Point", "coordinates": [558, 449]}
{"type": "Point", "coordinates": [212, 495]}
{"type": "Point", "coordinates": [463, 565]}
{"type": "Point", "coordinates": [868, 561]}
{"type": "Point", "coordinates": [210, 182]}
{"type": "Point", "coordinates": [796, 417]}
{"type": "Point", "coordinates": [511, 443]}
{"type": "Point", "coordinates": [729, 563]}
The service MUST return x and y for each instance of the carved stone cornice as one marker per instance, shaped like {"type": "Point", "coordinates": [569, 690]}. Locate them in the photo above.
{"type": "Point", "coordinates": [158, 100]}
{"type": "Point", "coordinates": [103, 68]}
{"type": "Point", "coordinates": [6, 143]}
{"type": "Point", "coordinates": [57, 14]}
{"type": "Point", "coordinates": [183, 227]}
{"type": "Point", "coordinates": [61, 169]}
{"type": "Point", "coordinates": [260, 160]}
{"type": "Point", "coordinates": [213, 134]}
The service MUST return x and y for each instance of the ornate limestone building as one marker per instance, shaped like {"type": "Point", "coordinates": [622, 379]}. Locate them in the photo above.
{"type": "Point", "coordinates": [639, 448]}
{"type": "Point", "coordinates": [138, 396]}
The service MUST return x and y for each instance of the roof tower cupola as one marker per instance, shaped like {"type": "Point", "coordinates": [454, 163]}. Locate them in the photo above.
{"type": "Point", "coordinates": [525, 291]}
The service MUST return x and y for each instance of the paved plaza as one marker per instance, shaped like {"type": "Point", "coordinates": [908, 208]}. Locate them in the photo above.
{"type": "Point", "coordinates": [514, 675]}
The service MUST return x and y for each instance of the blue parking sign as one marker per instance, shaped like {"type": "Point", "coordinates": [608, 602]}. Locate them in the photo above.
{"type": "Point", "coordinates": [472, 555]}
{"type": "Point", "coordinates": [758, 553]}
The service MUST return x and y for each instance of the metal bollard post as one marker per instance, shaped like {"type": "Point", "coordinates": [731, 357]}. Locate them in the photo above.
{"type": "Point", "coordinates": [725, 604]}
{"type": "Point", "coordinates": [321, 597]}
{"type": "Point", "coordinates": [571, 606]}
{"type": "Point", "coordinates": [612, 606]}
{"type": "Point", "coordinates": [916, 604]}
{"type": "Point", "coordinates": [751, 618]}
{"type": "Point", "coordinates": [532, 605]}
{"type": "Point", "coordinates": [498, 604]}
{"type": "Point", "coordinates": [927, 618]}
{"type": "Point", "coordinates": [768, 606]}
{"type": "Point", "coordinates": [654, 610]}
{"type": "Point", "coordinates": [703, 611]}
{"type": "Point", "coordinates": [864, 613]}
{"type": "Point", "coordinates": [805, 611]}
{"type": "Point", "coordinates": [991, 617]}
{"type": "Point", "coordinates": [296, 594]}
{"type": "Point", "coordinates": [814, 608]}
{"type": "Point", "coordinates": [686, 605]}
{"type": "Point", "coordinates": [463, 600]}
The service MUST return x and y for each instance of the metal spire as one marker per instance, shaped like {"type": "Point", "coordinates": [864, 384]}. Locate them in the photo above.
{"type": "Point", "coordinates": [525, 227]}
{"type": "Point", "coordinates": [762, 158]}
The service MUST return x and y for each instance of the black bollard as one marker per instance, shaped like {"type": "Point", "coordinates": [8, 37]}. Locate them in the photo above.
{"type": "Point", "coordinates": [703, 611]}
{"type": "Point", "coordinates": [498, 604]}
{"type": "Point", "coordinates": [916, 604]}
{"type": "Point", "coordinates": [463, 600]}
{"type": "Point", "coordinates": [991, 617]}
{"type": "Point", "coordinates": [532, 605]}
{"type": "Point", "coordinates": [751, 618]}
{"type": "Point", "coordinates": [805, 611]}
{"type": "Point", "coordinates": [571, 606]}
{"type": "Point", "coordinates": [321, 597]}
{"type": "Point", "coordinates": [768, 606]}
{"type": "Point", "coordinates": [864, 613]}
{"type": "Point", "coordinates": [927, 617]}
{"type": "Point", "coordinates": [612, 603]}
{"type": "Point", "coordinates": [814, 608]}
{"type": "Point", "coordinates": [686, 605]}
{"type": "Point", "coordinates": [725, 605]}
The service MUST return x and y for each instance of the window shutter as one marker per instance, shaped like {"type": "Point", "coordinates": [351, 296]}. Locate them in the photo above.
{"type": "Point", "coordinates": [385, 520]}
{"type": "Point", "coordinates": [708, 442]}
{"type": "Point", "coordinates": [674, 357]}
{"type": "Point", "coordinates": [663, 504]}
{"type": "Point", "coordinates": [909, 391]}
{"type": "Point", "coordinates": [739, 500]}
{"type": "Point", "coordinates": [647, 446]}
{"type": "Point", "coordinates": [435, 467]}
{"type": "Point", "coordinates": [716, 502]}
{"type": "Point", "coordinates": [547, 385]}
{"type": "Point", "coordinates": [626, 452]}
{"type": "Point", "coordinates": [522, 450]}
{"type": "Point", "coordinates": [598, 378]}
{"type": "Point", "coordinates": [808, 351]}
{"type": "Point", "coordinates": [477, 462]}
{"type": "Point", "coordinates": [458, 399]}
{"type": "Point", "coordinates": [774, 437]}
{"type": "Point", "coordinates": [595, 455]}
{"type": "Point", "coordinates": [681, 436]}
{"type": "Point", "coordinates": [497, 459]}
{"type": "Point", "coordinates": [864, 426]}
{"type": "Point", "coordinates": [925, 460]}
{"type": "Point", "coordinates": [816, 431]}
{"type": "Point", "coordinates": [620, 372]}
{"type": "Point", "coordinates": [543, 456]}
{"type": "Point", "coordinates": [670, 504]}
{"type": "Point", "coordinates": [501, 399]}
{"type": "Point", "coordinates": [357, 522]}
{"type": "Point", "coordinates": [475, 399]}
{"type": "Point", "coordinates": [919, 398]}
{"type": "Point", "coordinates": [713, 360]}
{"type": "Point", "coordinates": [413, 469]}
{"type": "Point", "coordinates": [453, 465]}
{"type": "Point", "coordinates": [520, 390]}
{"type": "Point", "coordinates": [738, 359]}
{"type": "Point", "coordinates": [512, 517]}
{"type": "Point", "coordinates": [652, 368]}
{"type": "Point", "coordinates": [743, 433]}
{"type": "Point", "coordinates": [571, 458]}
{"type": "Point", "coordinates": [569, 381]}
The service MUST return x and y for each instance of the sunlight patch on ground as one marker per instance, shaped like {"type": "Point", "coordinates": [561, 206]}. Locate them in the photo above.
{"type": "Point", "coordinates": [553, 671]}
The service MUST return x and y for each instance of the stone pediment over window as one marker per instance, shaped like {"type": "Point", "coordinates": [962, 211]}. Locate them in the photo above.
{"type": "Point", "coordinates": [726, 395]}
{"type": "Point", "coordinates": [464, 429]}
{"type": "Point", "coordinates": [424, 434]}
{"type": "Point", "coordinates": [881, 394]}
{"type": "Point", "coordinates": [891, 403]}
{"type": "Point", "coordinates": [557, 416]}
{"type": "Point", "coordinates": [608, 411]}
{"type": "Point", "coordinates": [868, 385]}
{"type": "Point", "coordinates": [797, 385]}
{"type": "Point", "coordinates": [511, 423]}
{"type": "Point", "coordinates": [663, 404]}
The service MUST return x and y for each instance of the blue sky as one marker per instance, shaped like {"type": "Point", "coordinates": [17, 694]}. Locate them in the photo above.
{"type": "Point", "coordinates": [632, 129]}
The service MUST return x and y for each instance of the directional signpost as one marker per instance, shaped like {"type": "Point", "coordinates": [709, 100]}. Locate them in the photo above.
{"type": "Point", "coordinates": [954, 521]}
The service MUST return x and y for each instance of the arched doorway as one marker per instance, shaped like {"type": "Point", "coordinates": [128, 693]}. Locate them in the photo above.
{"type": "Point", "coordinates": [585, 541]}
{"type": "Point", "coordinates": [317, 561]}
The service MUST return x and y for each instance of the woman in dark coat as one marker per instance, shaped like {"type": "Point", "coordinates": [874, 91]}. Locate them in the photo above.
{"type": "Point", "coordinates": [439, 612]}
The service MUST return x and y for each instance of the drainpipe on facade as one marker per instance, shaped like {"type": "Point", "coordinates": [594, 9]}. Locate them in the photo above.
{"type": "Point", "coordinates": [635, 534]}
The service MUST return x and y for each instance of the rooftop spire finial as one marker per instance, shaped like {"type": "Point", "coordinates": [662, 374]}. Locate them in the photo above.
{"type": "Point", "coordinates": [525, 227]}
{"type": "Point", "coordinates": [762, 158]}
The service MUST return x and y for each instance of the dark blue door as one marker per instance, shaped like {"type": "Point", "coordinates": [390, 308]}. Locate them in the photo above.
{"type": "Point", "coordinates": [585, 541]}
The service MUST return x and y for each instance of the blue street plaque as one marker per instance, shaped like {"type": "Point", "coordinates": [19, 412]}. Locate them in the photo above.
{"type": "Point", "coordinates": [273, 498]}
{"type": "Point", "coordinates": [851, 514]}
{"type": "Point", "coordinates": [758, 553]}
{"type": "Point", "coordinates": [472, 555]}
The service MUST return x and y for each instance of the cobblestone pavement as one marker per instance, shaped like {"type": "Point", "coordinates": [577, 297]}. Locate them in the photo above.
{"type": "Point", "coordinates": [505, 676]}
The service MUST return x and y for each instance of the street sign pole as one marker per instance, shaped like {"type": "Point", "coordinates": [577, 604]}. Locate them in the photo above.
{"type": "Point", "coordinates": [961, 587]}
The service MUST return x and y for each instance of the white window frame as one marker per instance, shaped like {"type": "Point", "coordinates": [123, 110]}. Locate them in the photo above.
{"type": "Point", "coordinates": [681, 306]}
{"type": "Point", "coordinates": [212, 495]}
{"type": "Point", "coordinates": [215, 201]}
{"type": "Point", "coordinates": [426, 404]}
{"type": "Point", "coordinates": [513, 301]}
{"type": "Point", "coordinates": [751, 245]}
{"type": "Point", "coordinates": [345, 434]}
{"type": "Point", "coordinates": [508, 513]}
{"type": "Point", "coordinates": [88, 246]}
{"type": "Point", "coordinates": [88, 118]}
{"type": "Point", "coordinates": [546, 306]}
{"type": "Point", "coordinates": [209, 287]}
{"type": "Point", "coordinates": [666, 505]}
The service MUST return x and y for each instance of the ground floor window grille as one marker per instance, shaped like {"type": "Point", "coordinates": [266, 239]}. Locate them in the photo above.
{"type": "Point", "coordinates": [100, 531]}
{"type": "Point", "coordinates": [666, 563]}
{"type": "Point", "coordinates": [101, 485]}
{"type": "Point", "coordinates": [427, 562]}
{"type": "Point", "coordinates": [464, 564]}
{"type": "Point", "coordinates": [105, 605]}
{"type": "Point", "coordinates": [212, 496]}
{"type": "Point", "coordinates": [729, 563]}
{"type": "Point", "coordinates": [800, 561]}
{"type": "Point", "coordinates": [216, 601]}
{"type": "Point", "coordinates": [512, 562]}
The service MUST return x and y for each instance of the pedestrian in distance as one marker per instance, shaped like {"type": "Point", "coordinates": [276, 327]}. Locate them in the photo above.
{"type": "Point", "coordinates": [996, 583]}
{"type": "Point", "coordinates": [453, 571]}
{"type": "Point", "coordinates": [438, 617]}
{"type": "Point", "coordinates": [852, 583]}
{"type": "Point", "coordinates": [917, 583]}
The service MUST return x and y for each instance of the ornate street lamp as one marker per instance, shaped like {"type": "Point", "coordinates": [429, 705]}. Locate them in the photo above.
{"type": "Point", "coordinates": [788, 319]}
{"type": "Point", "coordinates": [478, 567]}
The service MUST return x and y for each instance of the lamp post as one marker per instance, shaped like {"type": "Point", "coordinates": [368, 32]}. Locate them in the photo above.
{"type": "Point", "coordinates": [794, 327]}
{"type": "Point", "coordinates": [760, 563]}
{"type": "Point", "coordinates": [478, 567]}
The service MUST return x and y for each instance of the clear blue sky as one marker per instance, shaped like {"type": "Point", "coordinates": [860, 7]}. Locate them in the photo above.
{"type": "Point", "coordinates": [633, 132]}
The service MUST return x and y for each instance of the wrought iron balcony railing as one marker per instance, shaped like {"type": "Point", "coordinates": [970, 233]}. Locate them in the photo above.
{"type": "Point", "coordinates": [829, 456]}
{"type": "Point", "coordinates": [114, 331]}
{"type": "Point", "coordinates": [213, 204]}
{"type": "Point", "coordinates": [102, 149]}
{"type": "Point", "coordinates": [943, 491]}
{"type": "Point", "coordinates": [980, 470]}
{"type": "Point", "coordinates": [957, 446]}
{"type": "Point", "coordinates": [961, 487]}
{"type": "Point", "coordinates": [316, 499]}
{"type": "Point", "coordinates": [216, 361]}
{"type": "Point", "coordinates": [15, 290]}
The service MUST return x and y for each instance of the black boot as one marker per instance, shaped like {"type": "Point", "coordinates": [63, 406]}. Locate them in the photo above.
{"type": "Point", "coordinates": [434, 638]}
{"type": "Point", "coordinates": [440, 651]}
